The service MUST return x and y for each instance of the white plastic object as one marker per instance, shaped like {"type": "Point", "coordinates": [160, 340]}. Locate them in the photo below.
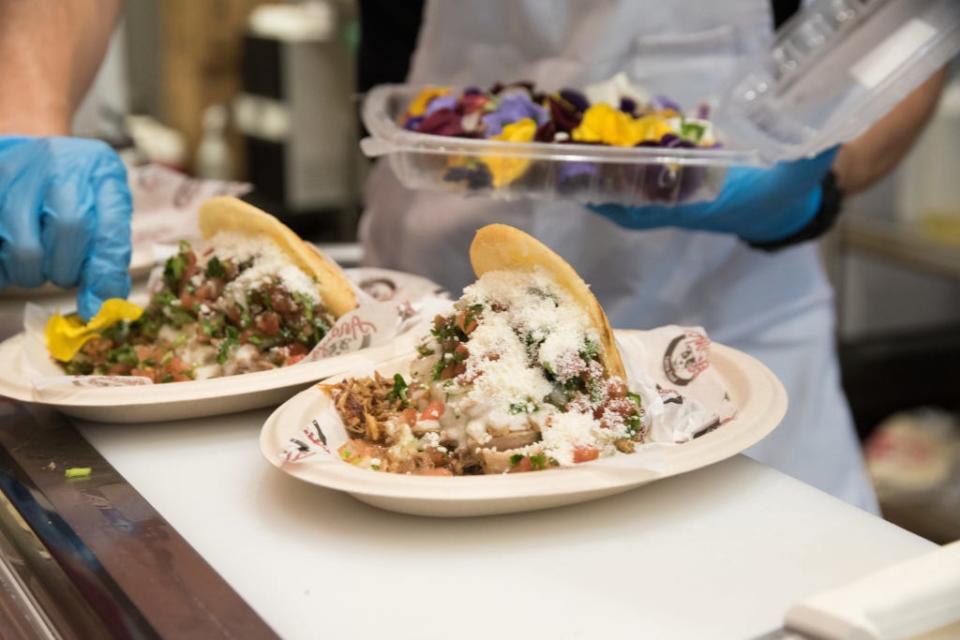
{"type": "Point", "coordinates": [838, 66]}
{"type": "Point", "coordinates": [916, 597]}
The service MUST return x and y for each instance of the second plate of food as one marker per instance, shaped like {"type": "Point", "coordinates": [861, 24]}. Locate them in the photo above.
{"type": "Point", "coordinates": [241, 319]}
{"type": "Point", "coordinates": [521, 397]}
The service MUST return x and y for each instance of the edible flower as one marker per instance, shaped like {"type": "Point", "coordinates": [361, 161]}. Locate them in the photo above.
{"type": "Point", "coordinates": [504, 170]}
{"type": "Point", "coordinates": [511, 108]}
{"type": "Point", "coordinates": [606, 124]}
{"type": "Point", "coordinates": [419, 104]}
{"type": "Point", "coordinates": [66, 335]}
{"type": "Point", "coordinates": [651, 128]}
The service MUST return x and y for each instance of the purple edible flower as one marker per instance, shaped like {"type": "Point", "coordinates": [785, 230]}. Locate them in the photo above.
{"type": "Point", "coordinates": [472, 91]}
{"type": "Point", "coordinates": [412, 124]}
{"type": "Point", "coordinates": [703, 111]}
{"type": "Point", "coordinates": [445, 122]}
{"type": "Point", "coordinates": [564, 114]}
{"type": "Point", "coordinates": [628, 105]}
{"type": "Point", "coordinates": [663, 102]}
{"type": "Point", "coordinates": [662, 182]}
{"type": "Point", "coordinates": [511, 108]}
{"type": "Point", "coordinates": [576, 98]}
{"type": "Point", "coordinates": [441, 102]}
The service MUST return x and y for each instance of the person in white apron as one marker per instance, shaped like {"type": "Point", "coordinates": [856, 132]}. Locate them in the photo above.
{"type": "Point", "coordinates": [775, 306]}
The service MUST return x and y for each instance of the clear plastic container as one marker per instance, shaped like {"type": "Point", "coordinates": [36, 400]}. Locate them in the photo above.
{"type": "Point", "coordinates": [570, 171]}
{"type": "Point", "coordinates": [836, 68]}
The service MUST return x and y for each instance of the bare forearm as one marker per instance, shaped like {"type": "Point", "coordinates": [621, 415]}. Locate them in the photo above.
{"type": "Point", "coordinates": [49, 54]}
{"type": "Point", "coordinates": [865, 160]}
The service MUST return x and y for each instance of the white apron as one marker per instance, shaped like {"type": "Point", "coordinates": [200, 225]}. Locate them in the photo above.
{"type": "Point", "coordinates": [776, 307]}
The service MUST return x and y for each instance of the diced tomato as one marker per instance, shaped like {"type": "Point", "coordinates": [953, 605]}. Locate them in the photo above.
{"type": "Point", "coordinates": [522, 466]}
{"type": "Point", "coordinates": [209, 290]}
{"type": "Point", "coordinates": [186, 300]}
{"type": "Point", "coordinates": [453, 370]}
{"type": "Point", "coordinates": [434, 411]}
{"type": "Point", "coordinates": [616, 389]}
{"type": "Point", "coordinates": [298, 349]}
{"type": "Point", "coordinates": [268, 323]}
{"type": "Point", "coordinates": [281, 302]}
{"type": "Point", "coordinates": [585, 453]}
{"type": "Point", "coordinates": [462, 352]}
{"type": "Point", "coordinates": [409, 416]}
{"type": "Point", "coordinates": [467, 326]}
{"type": "Point", "coordinates": [294, 359]}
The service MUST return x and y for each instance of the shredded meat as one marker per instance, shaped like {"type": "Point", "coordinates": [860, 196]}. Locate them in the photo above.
{"type": "Point", "coordinates": [365, 404]}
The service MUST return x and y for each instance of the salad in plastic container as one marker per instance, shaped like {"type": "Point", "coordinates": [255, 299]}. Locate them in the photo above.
{"type": "Point", "coordinates": [611, 142]}
{"type": "Point", "coordinates": [836, 68]}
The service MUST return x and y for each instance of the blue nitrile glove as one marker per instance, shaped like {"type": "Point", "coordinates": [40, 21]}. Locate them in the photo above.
{"type": "Point", "coordinates": [65, 217]}
{"type": "Point", "coordinates": [758, 205]}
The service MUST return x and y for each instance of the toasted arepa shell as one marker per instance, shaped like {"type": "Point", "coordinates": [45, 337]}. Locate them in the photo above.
{"type": "Point", "coordinates": [224, 213]}
{"type": "Point", "coordinates": [500, 247]}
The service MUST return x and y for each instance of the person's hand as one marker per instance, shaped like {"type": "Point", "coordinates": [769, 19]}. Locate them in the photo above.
{"type": "Point", "coordinates": [65, 217]}
{"type": "Point", "coordinates": [758, 205]}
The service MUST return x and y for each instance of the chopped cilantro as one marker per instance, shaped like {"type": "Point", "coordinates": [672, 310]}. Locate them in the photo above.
{"type": "Point", "coordinates": [515, 459]}
{"type": "Point", "coordinates": [528, 406]}
{"type": "Point", "coordinates": [591, 350]}
{"type": "Point", "coordinates": [215, 268]}
{"type": "Point", "coordinates": [538, 461]}
{"type": "Point", "coordinates": [637, 400]}
{"type": "Point", "coordinates": [437, 370]}
{"type": "Point", "coordinates": [399, 391]}
{"type": "Point", "coordinates": [230, 341]}
{"type": "Point", "coordinates": [254, 340]}
{"type": "Point", "coordinates": [425, 351]}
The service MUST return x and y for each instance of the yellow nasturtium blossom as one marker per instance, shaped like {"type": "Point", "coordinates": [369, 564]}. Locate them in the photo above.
{"type": "Point", "coordinates": [603, 123]}
{"type": "Point", "coordinates": [419, 104]}
{"type": "Point", "coordinates": [66, 335]}
{"type": "Point", "coordinates": [504, 170]}
{"type": "Point", "coordinates": [651, 128]}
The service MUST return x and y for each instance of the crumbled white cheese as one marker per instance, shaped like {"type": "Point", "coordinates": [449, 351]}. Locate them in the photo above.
{"type": "Point", "coordinates": [269, 262]}
{"type": "Point", "coordinates": [564, 432]}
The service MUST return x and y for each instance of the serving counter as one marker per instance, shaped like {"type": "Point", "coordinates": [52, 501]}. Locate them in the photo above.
{"type": "Point", "coordinates": [720, 553]}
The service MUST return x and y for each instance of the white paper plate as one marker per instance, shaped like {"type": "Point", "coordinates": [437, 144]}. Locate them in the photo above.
{"type": "Point", "coordinates": [180, 400]}
{"type": "Point", "coordinates": [760, 398]}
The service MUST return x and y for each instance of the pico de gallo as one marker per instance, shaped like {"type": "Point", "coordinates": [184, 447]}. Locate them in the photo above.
{"type": "Point", "coordinates": [236, 306]}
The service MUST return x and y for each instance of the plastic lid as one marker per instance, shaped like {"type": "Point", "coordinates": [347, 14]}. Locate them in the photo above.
{"type": "Point", "coordinates": [837, 67]}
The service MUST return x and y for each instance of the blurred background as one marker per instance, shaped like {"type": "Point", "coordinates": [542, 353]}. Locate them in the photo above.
{"type": "Point", "coordinates": [215, 88]}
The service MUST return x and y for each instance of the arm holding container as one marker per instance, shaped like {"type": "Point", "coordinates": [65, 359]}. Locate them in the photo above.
{"type": "Point", "coordinates": [795, 201]}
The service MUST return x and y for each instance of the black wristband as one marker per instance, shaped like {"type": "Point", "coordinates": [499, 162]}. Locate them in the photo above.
{"type": "Point", "coordinates": [831, 202]}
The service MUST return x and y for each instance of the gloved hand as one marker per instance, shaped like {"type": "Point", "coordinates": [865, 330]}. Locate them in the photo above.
{"type": "Point", "coordinates": [65, 217]}
{"type": "Point", "coordinates": [758, 205]}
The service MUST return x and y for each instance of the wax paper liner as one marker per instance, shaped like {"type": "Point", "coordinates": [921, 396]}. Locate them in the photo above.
{"type": "Point", "coordinates": [381, 329]}
{"type": "Point", "coordinates": [669, 367]}
{"type": "Point", "coordinates": [166, 204]}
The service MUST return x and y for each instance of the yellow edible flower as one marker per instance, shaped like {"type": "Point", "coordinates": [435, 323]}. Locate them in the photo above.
{"type": "Point", "coordinates": [419, 104]}
{"type": "Point", "coordinates": [603, 123]}
{"type": "Point", "coordinates": [504, 170]}
{"type": "Point", "coordinates": [651, 128]}
{"type": "Point", "coordinates": [66, 335]}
